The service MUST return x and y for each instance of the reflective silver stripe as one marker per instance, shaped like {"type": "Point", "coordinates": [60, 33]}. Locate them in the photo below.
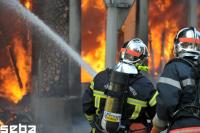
{"type": "Point", "coordinates": [188, 81]}
{"type": "Point", "coordinates": [170, 81]}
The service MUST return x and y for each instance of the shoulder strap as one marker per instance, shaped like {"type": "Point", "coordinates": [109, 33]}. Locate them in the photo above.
{"type": "Point", "coordinates": [135, 78]}
{"type": "Point", "coordinates": [194, 106]}
{"type": "Point", "coordinates": [181, 60]}
{"type": "Point", "coordinates": [190, 64]}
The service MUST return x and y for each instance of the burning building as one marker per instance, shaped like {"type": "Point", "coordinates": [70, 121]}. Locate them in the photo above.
{"type": "Point", "coordinates": [165, 19]}
{"type": "Point", "coordinates": [15, 66]}
{"type": "Point", "coordinates": [39, 84]}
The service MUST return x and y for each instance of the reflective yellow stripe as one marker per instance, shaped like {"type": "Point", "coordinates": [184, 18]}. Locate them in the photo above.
{"type": "Point", "coordinates": [97, 111]}
{"type": "Point", "coordinates": [89, 117]}
{"type": "Point", "coordinates": [137, 102]}
{"type": "Point", "coordinates": [153, 101]}
{"type": "Point", "coordinates": [97, 101]}
{"type": "Point", "coordinates": [99, 94]}
{"type": "Point", "coordinates": [93, 130]}
{"type": "Point", "coordinates": [138, 106]}
{"type": "Point", "coordinates": [136, 112]}
{"type": "Point", "coordinates": [92, 85]}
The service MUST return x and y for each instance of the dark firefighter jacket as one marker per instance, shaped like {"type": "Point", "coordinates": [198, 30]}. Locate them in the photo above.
{"type": "Point", "coordinates": [176, 88]}
{"type": "Point", "coordinates": [140, 103]}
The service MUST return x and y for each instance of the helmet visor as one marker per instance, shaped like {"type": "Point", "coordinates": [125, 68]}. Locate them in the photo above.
{"type": "Point", "coordinates": [130, 55]}
{"type": "Point", "coordinates": [190, 44]}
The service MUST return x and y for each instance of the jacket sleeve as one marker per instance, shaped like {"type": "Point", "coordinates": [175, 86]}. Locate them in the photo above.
{"type": "Point", "coordinates": [151, 110]}
{"type": "Point", "coordinates": [169, 90]}
{"type": "Point", "coordinates": [88, 103]}
{"type": "Point", "coordinates": [152, 94]}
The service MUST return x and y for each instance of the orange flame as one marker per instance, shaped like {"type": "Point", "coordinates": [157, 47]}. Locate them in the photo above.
{"type": "Point", "coordinates": [1, 123]}
{"type": "Point", "coordinates": [93, 36]}
{"type": "Point", "coordinates": [27, 4]}
{"type": "Point", "coordinates": [9, 87]}
{"type": "Point", "coordinates": [164, 21]}
{"type": "Point", "coordinates": [95, 58]}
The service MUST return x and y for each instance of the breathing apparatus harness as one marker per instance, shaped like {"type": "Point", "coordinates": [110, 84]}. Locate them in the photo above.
{"type": "Point", "coordinates": [111, 119]}
{"type": "Point", "coordinates": [192, 108]}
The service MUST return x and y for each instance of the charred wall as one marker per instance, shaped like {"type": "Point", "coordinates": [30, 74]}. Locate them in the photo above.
{"type": "Point", "coordinates": [51, 69]}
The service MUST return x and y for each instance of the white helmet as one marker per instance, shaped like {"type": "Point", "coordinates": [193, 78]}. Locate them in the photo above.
{"type": "Point", "coordinates": [187, 43]}
{"type": "Point", "coordinates": [134, 51]}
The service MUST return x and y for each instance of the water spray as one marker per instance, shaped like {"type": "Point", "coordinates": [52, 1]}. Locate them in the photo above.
{"type": "Point", "coordinates": [59, 41]}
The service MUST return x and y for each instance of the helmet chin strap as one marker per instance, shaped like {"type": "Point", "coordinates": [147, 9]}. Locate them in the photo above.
{"type": "Point", "coordinates": [141, 67]}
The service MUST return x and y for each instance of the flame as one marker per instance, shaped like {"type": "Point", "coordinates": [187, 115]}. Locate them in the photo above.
{"type": "Point", "coordinates": [95, 58]}
{"type": "Point", "coordinates": [93, 36]}
{"type": "Point", "coordinates": [164, 22]}
{"type": "Point", "coordinates": [27, 4]}
{"type": "Point", "coordinates": [1, 123]}
{"type": "Point", "coordinates": [9, 84]}
{"type": "Point", "coordinates": [11, 88]}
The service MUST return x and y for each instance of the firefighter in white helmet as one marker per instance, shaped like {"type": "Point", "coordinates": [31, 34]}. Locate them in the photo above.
{"type": "Point", "coordinates": [120, 96]}
{"type": "Point", "coordinates": [178, 102]}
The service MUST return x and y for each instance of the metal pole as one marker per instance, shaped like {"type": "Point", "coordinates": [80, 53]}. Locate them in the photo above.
{"type": "Point", "coordinates": [142, 20]}
{"type": "Point", "coordinates": [117, 12]}
{"type": "Point", "coordinates": [75, 43]}
{"type": "Point", "coordinates": [111, 36]}
{"type": "Point", "coordinates": [192, 13]}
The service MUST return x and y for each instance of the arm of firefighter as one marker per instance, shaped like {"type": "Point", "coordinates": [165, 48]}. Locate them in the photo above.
{"type": "Point", "coordinates": [169, 91]}
{"type": "Point", "coordinates": [152, 104]}
{"type": "Point", "coordinates": [88, 103]}
{"type": "Point", "coordinates": [151, 99]}
{"type": "Point", "coordinates": [158, 125]}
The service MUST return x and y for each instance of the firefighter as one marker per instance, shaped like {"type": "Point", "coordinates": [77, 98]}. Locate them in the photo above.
{"type": "Point", "coordinates": [178, 102]}
{"type": "Point", "coordinates": [138, 97]}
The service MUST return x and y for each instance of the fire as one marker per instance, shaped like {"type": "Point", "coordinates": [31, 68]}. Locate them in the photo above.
{"type": "Point", "coordinates": [1, 123]}
{"type": "Point", "coordinates": [10, 88]}
{"type": "Point", "coordinates": [27, 4]}
{"type": "Point", "coordinates": [93, 36]}
{"type": "Point", "coordinates": [16, 69]}
{"type": "Point", "coordinates": [164, 21]}
{"type": "Point", "coordinates": [95, 58]}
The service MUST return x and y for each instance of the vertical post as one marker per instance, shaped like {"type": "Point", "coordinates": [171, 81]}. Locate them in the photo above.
{"type": "Point", "coordinates": [142, 20]}
{"type": "Point", "coordinates": [117, 12]}
{"type": "Point", "coordinates": [192, 13]}
{"type": "Point", "coordinates": [111, 36]}
{"type": "Point", "coordinates": [75, 43]}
